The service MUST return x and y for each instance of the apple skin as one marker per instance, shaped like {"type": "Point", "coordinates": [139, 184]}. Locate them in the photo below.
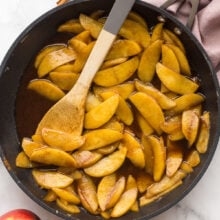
{"type": "Point", "coordinates": [19, 214]}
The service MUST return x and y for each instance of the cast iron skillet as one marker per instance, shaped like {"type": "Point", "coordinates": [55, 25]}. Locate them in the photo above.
{"type": "Point", "coordinates": [25, 49]}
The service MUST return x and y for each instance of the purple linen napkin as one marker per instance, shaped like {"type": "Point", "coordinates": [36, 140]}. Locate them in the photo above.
{"type": "Point", "coordinates": [206, 26]}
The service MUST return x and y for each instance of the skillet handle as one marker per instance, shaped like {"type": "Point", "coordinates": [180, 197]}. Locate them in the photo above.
{"type": "Point", "coordinates": [194, 3]}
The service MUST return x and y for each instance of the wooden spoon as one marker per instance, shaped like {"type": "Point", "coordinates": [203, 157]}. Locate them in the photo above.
{"type": "Point", "coordinates": [68, 113]}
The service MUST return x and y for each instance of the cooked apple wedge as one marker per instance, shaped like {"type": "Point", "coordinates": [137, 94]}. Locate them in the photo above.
{"type": "Point", "coordinates": [72, 26]}
{"type": "Point", "coordinates": [104, 190]}
{"type": "Point", "coordinates": [113, 62]}
{"type": "Point", "coordinates": [87, 193]}
{"type": "Point", "coordinates": [124, 89]}
{"type": "Point", "coordinates": [169, 59]}
{"type": "Point", "coordinates": [204, 133]}
{"type": "Point", "coordinates": [116, 74]}
{"type": "Point", "coordinates": [64, 80]}
{"type": "Point", "coordinates": [134, 150]}
{"type": "Point", "coordinates": [45, 51]}
{"type": "Point", "coordinates": [52, 156]}
{"type": "Point", "coordinates": [148, 61]}
{"type": "Point", "coordinates": [159, 154]}
{"type": "Point", "coordinates": [77, 45]}
{"type": "Point", "coordinates": [134, 31]}
{"type": "Point", "coordinates": [51, 179]}
{"type": "Point", "coordinates": [149, 109]}
{"type": "Point", "coordinates": [190, 126]}
{"type": "Point", "coordinates": [123, 112]}
{"type": "Point", "coordinates": [100, 138]}
{"type": "Point", "coordinates": [23, 161]}
{"type": "Point", "coordinates": [132, 15]}
{"type": "Point", "coordinates": [108, 164]}
{"type": "Point", "coordinates": [174, 39]}
{"type": "Point", "coordinates": [71, 208]}
{"type": "Point", "coordinates": [175, 82]}
{"type": "Point", "coordinates": [86, 158]}
{"type": "Point", "coordinates": [183, 62]}
{"type": "Point", "coordinates": [29, 146]}
{"type": "Point", "coordinates": [143, 124]}
{"type": "Point", "coordinates": [157, 32]}
{"type": "Point", "coordinates": [66, 195]}
{"type": "Point", "coordinates": [91, 101]}
{"type": "Point", "coordinates": [193, 158]}
{"type": "Point", "coordinates": [46, 89]}
{"type": "Point", "coordinates": [62, 140]}
{"type": "Point", "coordinates": [186, 102]}
{"type": "Point", "coordinates": [127, 199]}
{"type": "Point", "coordinates": [83, 36]}
{"type": "Point", "coordinates": [123, 48]}
{"type": "Point", "coordinates": [102, 113]}
{"type": "Point", "coordinates": [91, 25]}
{"type": "Point", "coordinates": [164, 101]}
{"type": "Point", "coordinates": [144, 180]}
{"type": "Point", "coordinates": [172, 124]}
{"type": "Point", "coordinates": [54, 59]}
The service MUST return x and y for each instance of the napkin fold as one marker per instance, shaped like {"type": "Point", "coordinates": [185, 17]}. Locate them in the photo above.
{"type": "Point", "coordinates": [206, 27]}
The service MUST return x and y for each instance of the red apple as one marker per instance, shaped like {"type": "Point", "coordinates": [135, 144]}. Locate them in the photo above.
{"type": "Point", "coordinates": [19, 214]}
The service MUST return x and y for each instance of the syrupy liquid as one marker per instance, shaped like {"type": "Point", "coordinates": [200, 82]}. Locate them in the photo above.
{"type": "Point", "coordinates": [30, 107]}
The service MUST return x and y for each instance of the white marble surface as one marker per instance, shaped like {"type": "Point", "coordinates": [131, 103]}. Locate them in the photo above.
{"type": "Point", "coordinates": [202, 203]}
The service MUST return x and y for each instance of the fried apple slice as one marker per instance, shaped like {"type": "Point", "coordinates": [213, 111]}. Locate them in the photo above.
{"type": "Point", "coordinates": [174, 39]}
{"type": "Point", "coordinates": [108, 149]}
{"type": "Point", "coordinates": [123, 112]}
{"type": "Point", "coordinates": [183, 62]}
{"type": "Point", "coordinates": [87, 193]}
{"type": "Point", "coordinates": [190, 126]}
{"type": "Point", "coordinates": [143, 124]}
{"type": "Point", "coordinates": [86, 158]}
{"type": "Point", "coordinates": [148, 153]}
{"type": "Point", "coordinates": [105, 187]}
{"type": "Point", "coordinates": [54, 59]}
{"type": "Point", "coordinates": [84, 37]}
{"type": "Point", "coordinates": [50, 196]}
{"type": "Point", "coordinates": [113, 62]}
{"type": "Point", "coordinates": [134, 31]}
{"type": "Point", "coordinates": [163, 100]}
{"type": "Point", "coordinates": [100, 138]}
{"type": "Point", "coordinates": [51, 179]}
{"type": "Point", "coordinates": [52, 156]}
{"type": "Point", "coordinates": [91, 101]}
{"type": "Point", "coordinates": [116, 192]}
{"type": "Point", "coordinates": [23, 161]}
{"type": "Point", "coordinates": [127, 199]}
{"type": "Point", "coordinates": [174, 157]}
{"type": "Point", "coordinates": [116, 74]}
{"type": "Point", "coordinates": [66, 195]}
{"type": "Point", "coordinates": [159, 154]}
{"type": "Point", "coordinates": [172, 124]}
{"type": "Point", "coordinates": [102, 113]}
{"type": "Point", "coordinates": [145, 201]}
{"type": "Point", "coordinates": [193, 158]}
{"type": "Point", "coordinates": [174, 81]}
{"type": "Point", "coordinates": [108, 164]}
{"type": "Point", "coordinates": [157, 33]}
{"type": "Point", "coordinates": [123, 48]}
{"type": "Point", "coordinates": [204, 132]}
{"type": "Point", "coordinates": [124, 89]}
{"type": "Point", "coordinates": [68, 67]}
{"type": "Point", "coordinates": [46, 50]}
{"type": "Point", "coordinates": [29, 146]}
{"type": "Point", "coordinates": [72, 26]}
{"type": "Point", "coordinates": [91, 25]}
{"type": "Point", "coordinates": [148, 61]}
{"type": "Point", "coordinates": [46, 89]}
{"type": "Point", "coordinates": [144, 180]}
{"type": "Point", "coordinates": [64, 80]}
{"type": "Point", "coordinates": [70, 208]}
{"type": "Point", "coordinates": [169, 59]}
{"type": "Point", "coordinates": [185, 102]}
{"type": "Point", "coordinates": [132, 15]}
{"type": "Point", "coordinates": [149, 109]}
{"type": "Point", "coordinates": [165, 183]}
{"type": "Point", "coordinates": [134, 150]}
{"type": "Point", "coordinates": [62, 140]}
{"type": "Point", "coordinates": [77, 45]}
{"type": "Point", "coordinates": [114, 124]}
{"type": "Point", "coordinates": [82, 57]}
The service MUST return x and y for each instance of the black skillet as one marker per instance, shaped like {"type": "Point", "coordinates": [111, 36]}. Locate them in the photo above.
{"type": "Point", "coordinates": [37, 35]}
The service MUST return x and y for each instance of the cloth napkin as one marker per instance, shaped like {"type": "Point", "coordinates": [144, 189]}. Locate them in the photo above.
{"type": "Point", "coordinates": [206, 26]}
